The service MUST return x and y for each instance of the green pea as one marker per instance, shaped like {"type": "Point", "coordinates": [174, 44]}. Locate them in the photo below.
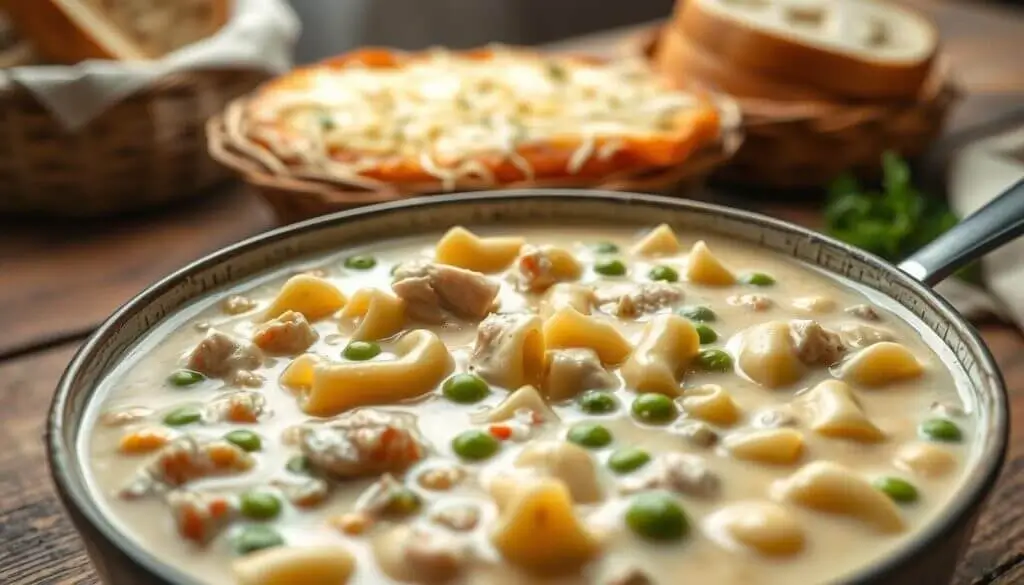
{"type": "Point", "coordinates": [403, 502]}
{"type": "Point", "coordinates": [714, 360]}
{"type": "Point", "coordinates": [940, 429]}
{"type": "Point", "coordinates": [899, 490]}
{"type": "Point", "coordinates": [655, 408]}
{"type": "Point", "coordinates": [610, 267]}
{"type": "Point", "coordinates": [475, 445]}
{"type": "Point", "coordinates": [664, 273]}
{"type": "Point", "coordinates": [360, 351]}
{"type": "Point", "coordinates": [361, 262]}
{"type": "Point", "coordinates": [657, 516]}
{"type": "Point", "coordinates": [465, 388]}
{"type": "Point", "coordinates": [597, 402]}
{"type": "Point", "coordinates": [605, 248]}
{"type": "Point", "coordinates": [698, 313]}
{"type": "Point", "coordinates": [182, 416]}
{"type": "Point", "coordinates": [706, 334]}
{"type": "Point", "coordinates": [299, 465]}
{"type": "Point", "coordinates": [628, 459]}
{"type": "Point", "coordinates": [757, 279]}
{"type": "Point", "coordinates": [185, 378]}
{"type": "Point", "coordinates": [259, 505]}
{"type": "Point", "coordinates": [588, 434]}
{"type": "Point", "coordinates": [254, 538]}
{"type": "Point", "coordinates": [247, 440]}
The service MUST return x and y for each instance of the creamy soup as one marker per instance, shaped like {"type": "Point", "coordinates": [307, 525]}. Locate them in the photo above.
{"type": "Point", "coordinates": [561, 405]}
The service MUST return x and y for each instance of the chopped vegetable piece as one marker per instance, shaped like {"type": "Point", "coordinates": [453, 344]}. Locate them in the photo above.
{"type": "Point", "coordinates": [475, 445]}
{"type": "Point", "coordinates": [597, 402]}
{"type": "Point", "coordinates": [465, 388]}
{"type": "Point", "coordinates": [182, 416]}
{"type": "Point", "coordinates": [254, 538]}
{"type": "Point", "coordinates": [299, 465]}
{"type": "Point", "coordinates": [706, 334]}
{"type": "Point", "coordinates": [501, 432]}
{"type": "Point", "coordinates": [757, 279]}
{"type": "Point", "coordinates": [898, 489]}
{"type": "Point", "coordinates": [714, 360]}
{"type": "Point", "coordinates": [605, 248]}
{"type": "Point", "coordinates": [185, 378]}
{"type": "Point", "coordinates": [697, 313]}
{"type": "Point", "coordinates": [144, 441]}
{"type": "Point", "coordinates": [247, 440]}
{"type": "Point", "coordinates": [259, 505]}
{"type": "Point", "coordinates": [940, 429]}
{"type": "Point", "coordinates": [590, 435]}
{"type": "Point", "coordinates": [664, 273]}
{"type": "Point", "coordinates": [656, 516]}
{"type": "Point", "coordinates": [403, 502]}
{"type": "Point", "coordinates": [360, 351]}
{"type": "Point", "coordinates": [610, 267]}
{"type": "Point", "coordinates": [360, 262]}
{"type": "Point", "coordinates": [655, 408]}
{"type": "Point", "coordinates": [628, 459]}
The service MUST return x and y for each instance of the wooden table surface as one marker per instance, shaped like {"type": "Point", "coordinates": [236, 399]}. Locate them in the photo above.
{"type": "Point", "coordinates": [59, 280]}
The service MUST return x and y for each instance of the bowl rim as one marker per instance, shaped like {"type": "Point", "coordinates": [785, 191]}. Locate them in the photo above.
{"type": "Point", "coordinates": [76, 495]}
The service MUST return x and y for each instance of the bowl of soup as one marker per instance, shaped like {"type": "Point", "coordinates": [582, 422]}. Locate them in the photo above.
{"type": "Point", "coordinates": [530, 387]}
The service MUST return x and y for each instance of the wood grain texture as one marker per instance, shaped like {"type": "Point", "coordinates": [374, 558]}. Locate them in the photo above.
{"type": "Point", "coordinates": [61, 279]}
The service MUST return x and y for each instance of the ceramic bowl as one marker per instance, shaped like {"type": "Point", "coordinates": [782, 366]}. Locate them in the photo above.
{"type": "Point", "coordinates": [929, 558]}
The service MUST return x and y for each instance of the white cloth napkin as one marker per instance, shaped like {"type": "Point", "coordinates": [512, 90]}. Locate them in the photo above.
{"type": "Point", "coordinates": [978, 173]}
{"type": "Point", "coordinates": [259, 35]}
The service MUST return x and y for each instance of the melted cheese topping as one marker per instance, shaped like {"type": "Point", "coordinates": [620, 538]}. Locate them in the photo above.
{"type": "Point", "coordinates": [448, 111]}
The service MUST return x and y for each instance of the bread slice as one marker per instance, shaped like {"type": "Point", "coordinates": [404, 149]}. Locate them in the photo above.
{"type": "Point", "coordinates": [684, 64]}
{"type": "Point", "coordinates": [860, 49]}
{"type": "Point", "coordinates": [70, 31]}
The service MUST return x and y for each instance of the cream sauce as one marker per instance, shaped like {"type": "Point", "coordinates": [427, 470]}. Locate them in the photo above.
{"type": "Point", "coordinates": [835, 545]}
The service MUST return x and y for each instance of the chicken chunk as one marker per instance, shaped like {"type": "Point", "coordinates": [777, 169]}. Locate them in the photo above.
{"type": "Point", "coordinates": [858, 335]}
{"type": "Point", "coordinates": [363, 442]}
{"type": "Point", "coordinates": [571, 371]}
{"type": "Point", "coordinates": [238, 304]}
{"type": "Point", "coordinates": [751, 301]}
{"type": "Point", "coordinates": [220, 355]}
{"type": "Point", "coordinates": [538, 268]}
{"type": "Point", "coordinates": [422, 556]}
{"type": "Point", "coordinates": [305, 493]}
{"type": "Point", "coordinates": [679, 472]}
{"type": "Point", "coordinates": [865, 312]}
{"type": "Point", "coordinates": [243, 406]}
{"type": "Point", "coordinates": [200, 517]}
{"type": "Point", "coordinates": [287, 334]}
{"type": "Point", "coordinates": [509, 350]}
{"type": "Point", "coordinates": [187, 459]}
{"type": "Point", "coordinates": [432, 291]}
{"type": "Point", "coordinates": [815, 345]}
{"type": "Point", "coordinates": [459, 517]}
{"type": "Point", "coordinates": [648, 297]}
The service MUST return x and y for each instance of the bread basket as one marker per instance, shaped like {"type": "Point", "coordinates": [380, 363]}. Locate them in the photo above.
{"type": "Point", "coordinates": [807, 144]}
{"type": "Point", "coordinates": [145, 149]}
{"type": "Point", "coordinates": [295, 196]}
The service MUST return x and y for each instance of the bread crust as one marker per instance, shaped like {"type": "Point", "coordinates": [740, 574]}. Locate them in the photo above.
{"type": "Point", "coordinates": [686, 64]}
{"type": "Point", "coordinates": [789, 61]}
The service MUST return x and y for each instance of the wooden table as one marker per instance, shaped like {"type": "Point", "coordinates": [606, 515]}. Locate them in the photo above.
{"type": "Point", "coordinates": [59, 280]}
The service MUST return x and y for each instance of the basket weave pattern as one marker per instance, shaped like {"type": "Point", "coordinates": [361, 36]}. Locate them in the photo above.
{"type": "Point", "coordinates": [808, 144]}
{"type": "Point", "coordinates": [146, 150]}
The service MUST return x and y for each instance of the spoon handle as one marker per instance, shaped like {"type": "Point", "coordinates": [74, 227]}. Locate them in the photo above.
{"type": "Point", "coordinates": [995, 224]}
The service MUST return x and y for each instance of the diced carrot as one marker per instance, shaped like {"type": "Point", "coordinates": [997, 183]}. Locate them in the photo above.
{"type": "Point", "coordinates": [192, 525]}
{"type": "Point", "coordinates": [502, 432]}
{"type": "Point", "coordinates": [219, 508]}
{"type": "Point", "coordinates": [351, 523]}
{"type": "Point", "coordinates": [222, 455]}
{"type": "Point", "coordinates": [240, 411]}
{"type": "Point", "coordinates": [144, 441]}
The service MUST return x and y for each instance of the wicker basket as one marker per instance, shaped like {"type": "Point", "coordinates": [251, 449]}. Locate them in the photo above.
{"type": "Point", "coordinates": [793, 145]}
{"type": "Point", "coordinates": [147, 150]}
{"type": "Point", "coordinates": [295, 198]}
